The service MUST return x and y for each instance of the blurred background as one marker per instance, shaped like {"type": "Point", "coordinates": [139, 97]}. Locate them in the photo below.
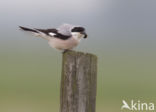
{"type": "Point", "coordinates": [122, 33]}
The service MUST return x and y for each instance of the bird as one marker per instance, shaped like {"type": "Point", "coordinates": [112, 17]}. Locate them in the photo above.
{"type": "Point", "coordinates": [65, 37]}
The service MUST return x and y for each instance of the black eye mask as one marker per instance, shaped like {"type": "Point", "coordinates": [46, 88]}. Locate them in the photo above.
{"type": "Point", "coordinates": [78, 29]}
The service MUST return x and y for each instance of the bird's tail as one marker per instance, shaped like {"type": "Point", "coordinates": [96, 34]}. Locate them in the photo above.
{"type": "Point", "coordinates": [28, 29]}
{"type": "Point", "coordinates": [36, 32]}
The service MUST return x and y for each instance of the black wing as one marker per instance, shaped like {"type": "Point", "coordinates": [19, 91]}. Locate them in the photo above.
{"type": "Point", "coordinates": [47, 31]}
{"type": "Point", "coordinates": [56, 33]}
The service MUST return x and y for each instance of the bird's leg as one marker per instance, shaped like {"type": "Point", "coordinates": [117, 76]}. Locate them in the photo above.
{"type": "Point", "coordinates": [65, 50]}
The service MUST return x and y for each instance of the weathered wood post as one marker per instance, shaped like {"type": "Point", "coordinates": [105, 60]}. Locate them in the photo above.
{"type": "Point", "coordinates": [78, 83]}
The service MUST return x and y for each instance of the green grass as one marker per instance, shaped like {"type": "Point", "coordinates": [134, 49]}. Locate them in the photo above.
{"type": "Point", "coordinates": [30, 80]}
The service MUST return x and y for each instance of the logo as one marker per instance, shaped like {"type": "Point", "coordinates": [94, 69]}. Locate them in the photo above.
{"type": "Point", "coordinates": [137, 106]}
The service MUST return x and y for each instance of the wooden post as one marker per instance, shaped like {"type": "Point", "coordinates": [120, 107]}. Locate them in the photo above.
{"type": "Point", "coordinates": [78, 83]}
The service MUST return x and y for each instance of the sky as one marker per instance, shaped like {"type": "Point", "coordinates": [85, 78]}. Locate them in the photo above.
{"type": "Point", "coordinates": [106, 21]}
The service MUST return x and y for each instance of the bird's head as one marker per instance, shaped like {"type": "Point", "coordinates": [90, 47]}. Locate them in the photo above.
{"type": "Point", "coordinates": [78, 32]}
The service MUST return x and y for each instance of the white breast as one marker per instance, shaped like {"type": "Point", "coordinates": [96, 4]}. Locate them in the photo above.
{"type": "Point", "coordinates": [63, 44]}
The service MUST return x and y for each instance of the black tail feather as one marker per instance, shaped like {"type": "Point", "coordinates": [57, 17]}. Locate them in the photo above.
{"type": "Point", "coordinates": [28, 29]}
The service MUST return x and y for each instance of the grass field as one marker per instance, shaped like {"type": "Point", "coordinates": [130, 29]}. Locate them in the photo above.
{"type": "Point", "coordinates": [30, 80]}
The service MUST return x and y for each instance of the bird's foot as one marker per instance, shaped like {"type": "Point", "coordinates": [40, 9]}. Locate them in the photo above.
{"type": "Point", "coordinates": [65, 50]}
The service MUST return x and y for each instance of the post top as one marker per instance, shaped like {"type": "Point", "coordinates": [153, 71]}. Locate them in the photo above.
{"type": "Point", "coordinates": [72, 52]}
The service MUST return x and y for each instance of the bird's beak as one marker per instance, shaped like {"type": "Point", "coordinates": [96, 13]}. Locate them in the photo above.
{"type": "Point", "coordinates": [85, 35]}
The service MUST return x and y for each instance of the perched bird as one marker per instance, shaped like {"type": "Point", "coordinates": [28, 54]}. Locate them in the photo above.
{"type": "Point", "coordinates": [65, 37]}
